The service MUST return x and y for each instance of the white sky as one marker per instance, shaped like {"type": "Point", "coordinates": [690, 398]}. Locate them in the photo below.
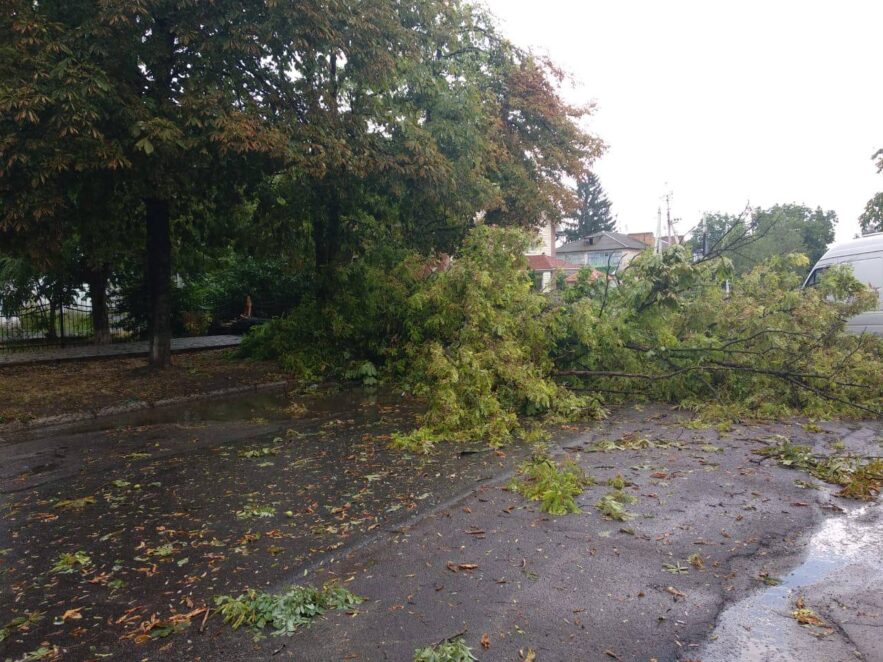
{"type": "Point", "coordinates": [760, 101]}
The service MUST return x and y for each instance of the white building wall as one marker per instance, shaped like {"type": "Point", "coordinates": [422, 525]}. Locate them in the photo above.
{"type": "Point", "coordinates": [545, 243]}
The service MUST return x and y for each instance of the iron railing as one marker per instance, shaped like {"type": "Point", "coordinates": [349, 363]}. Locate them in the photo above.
{"type": "Point", "coordinates": [39, 325]}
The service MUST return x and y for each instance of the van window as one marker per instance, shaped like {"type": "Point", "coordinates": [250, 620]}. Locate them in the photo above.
{"type": "Point", "coordinates": [815, 277]}
{"type": "Point", "coordinates": [868, 272]}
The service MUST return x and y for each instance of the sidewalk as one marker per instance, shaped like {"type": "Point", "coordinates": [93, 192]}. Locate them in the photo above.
{"type": "Point", "coordinates": [139, 348]}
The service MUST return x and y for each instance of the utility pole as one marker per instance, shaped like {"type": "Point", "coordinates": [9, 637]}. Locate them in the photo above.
{"type": "Point", "coordinates": [658, 247]}
{"type": "Point", "coordinates": [670, 224]}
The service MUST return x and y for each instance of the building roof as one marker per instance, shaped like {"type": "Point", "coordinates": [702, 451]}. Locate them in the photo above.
{"type": "Point", "coordinates": [549, 263]}
{"type": "Point", "coordinates": [602, 241]}
{"type": "Point", "coordinates": [647, 238]}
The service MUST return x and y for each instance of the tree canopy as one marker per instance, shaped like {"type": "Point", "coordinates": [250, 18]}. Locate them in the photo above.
{"type": "Point", "coordinates": [758, 234]}
{"type": "Point", "coordinates": [871, 219]}
{"type": "Point", "coordinates": [316, 128]}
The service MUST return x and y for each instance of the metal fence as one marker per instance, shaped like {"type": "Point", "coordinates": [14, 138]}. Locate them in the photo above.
{"type": "Point", "coordinates": [39, 324]}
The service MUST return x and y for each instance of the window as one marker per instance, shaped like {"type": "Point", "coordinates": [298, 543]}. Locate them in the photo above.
{"type": "Point", "coordinates": [815, 277]}
{"type": "Point", "coordinates": [868, 272]}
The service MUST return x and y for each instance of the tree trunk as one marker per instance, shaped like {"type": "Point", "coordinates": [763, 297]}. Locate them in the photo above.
{"type": "Point", "coordinates": [159, 282]}
{"type": "Point", "coordinates": [97, 278]}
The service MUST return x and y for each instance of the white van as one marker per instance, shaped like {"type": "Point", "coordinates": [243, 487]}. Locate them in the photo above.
{"type": "Point", "coordinates": [865, 256]}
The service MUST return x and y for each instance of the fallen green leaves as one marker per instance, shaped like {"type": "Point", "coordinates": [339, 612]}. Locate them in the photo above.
{"type": "Point", "coordinates": [676, 568]}
{"type": "Point", "coordinates": [807, 617]}
{"type": "Point", "coordinates": [285, 612]}
{"type": "Point", "coordinates": [859, 479]}
{"type": "Point", "coordinates": [254, 510]}
{"type": "Point", "coordinates": [554, 485]}
{"type": "Point", "coordinates": [632, 441]}
{"type": "Point", "coordinates": [612, 505]}
{"type": "Point", "coordinates": [69, 562]}
{"type": "Point", "coordinates": [261, 451]}
{"type": "Point", "coordinates": [75, 504]}
{"type": "Point", "coordinates": [454, 650]}
{"type": "Point", "coordinates": [20, 624]}
{"type": "Point", "coordinates": [420, 441]}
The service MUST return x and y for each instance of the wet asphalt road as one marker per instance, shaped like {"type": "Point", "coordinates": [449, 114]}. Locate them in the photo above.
{"type": "Point", "coordinates": [168, 527]}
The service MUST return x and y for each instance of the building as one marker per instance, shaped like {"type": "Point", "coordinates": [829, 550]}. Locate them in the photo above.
{"type": "Point", "coordinates": [542, 260]}
{"type": "Point", "coordinates": [607, 251]}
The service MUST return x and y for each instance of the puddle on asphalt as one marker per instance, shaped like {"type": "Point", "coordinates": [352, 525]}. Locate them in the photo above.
{"type": "Point", "coordinates": [759, 627]}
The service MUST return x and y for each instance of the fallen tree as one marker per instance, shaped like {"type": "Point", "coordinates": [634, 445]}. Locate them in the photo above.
{"type": "Point", "coordinates": [488, 353]}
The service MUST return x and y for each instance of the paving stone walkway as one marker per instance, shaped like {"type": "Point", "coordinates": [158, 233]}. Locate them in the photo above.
{"type": "Point", "coordinates": [140, 348]}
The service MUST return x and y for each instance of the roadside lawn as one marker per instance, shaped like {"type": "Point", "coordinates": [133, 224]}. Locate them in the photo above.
{"type": "Point", "coordinates": [29, 392]}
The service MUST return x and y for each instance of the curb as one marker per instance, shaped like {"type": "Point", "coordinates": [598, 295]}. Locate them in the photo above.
{"type": "Point", "coordinates": [139, 405]}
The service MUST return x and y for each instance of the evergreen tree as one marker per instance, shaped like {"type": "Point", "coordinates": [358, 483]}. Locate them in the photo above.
{"type": "Point", "coordinates": [593, 214]}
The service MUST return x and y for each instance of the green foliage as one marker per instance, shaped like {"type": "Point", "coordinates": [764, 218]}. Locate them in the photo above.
{"type": "Point", "coordinates": [455, 650]}
{"type": "Point", "coordinates": [337, 127]}
{"type": "Point", "coordinates": [421, 441]}
{"type": "Point", "coordinates": [487, 352]}
{"type": "Point", "coordinates": [670, 331]}
{"type": "Point", "coordinates": [479, 345]}
{"type": "Point", "coordinates": [871, 219]}
{"type": "Point", "coordinates": [20, 623]}
{"type": "Point", "coordinates": [554, 485]}
{"type": "Point", "coordinates": [359, 324]}
{"type": "Point", "coordinates": [364, 372]}
{"type": "Point", "coordinates": [760, 234]}
{"type": "Point", "coordinates": [612, 505]}
{"type": "Point", "coordinates": [70, 562]}
{"type": "Point", "coordinates": [255, 510]}
{"type": "Point", "coordinates": [286, 612]}
{"type": "Point", "coordinates": [796, 456]}
{"type": "Point", "coordinates": [632, 441]}
{"type": "Point", "coordinates": [859, 479]}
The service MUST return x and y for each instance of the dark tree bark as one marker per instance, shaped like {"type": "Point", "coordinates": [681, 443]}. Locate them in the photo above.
{"type": "Point", "coordinates": [159, 282]}
{"type": "Point", "coordinates": [97, 278]}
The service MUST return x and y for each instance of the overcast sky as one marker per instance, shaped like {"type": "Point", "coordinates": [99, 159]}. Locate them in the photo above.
{"type": "Point", "coordinates": [760, 101]}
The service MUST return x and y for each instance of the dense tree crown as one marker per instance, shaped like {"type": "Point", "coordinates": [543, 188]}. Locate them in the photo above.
{"type": "Point", "coordinates": [593, 211]}
{"type": "Point", "coordinates": [871, 219]}
{"type": "Point", "coordinates": [315, 129]}
{"type": "Point", "coordinates": [758, 234]}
